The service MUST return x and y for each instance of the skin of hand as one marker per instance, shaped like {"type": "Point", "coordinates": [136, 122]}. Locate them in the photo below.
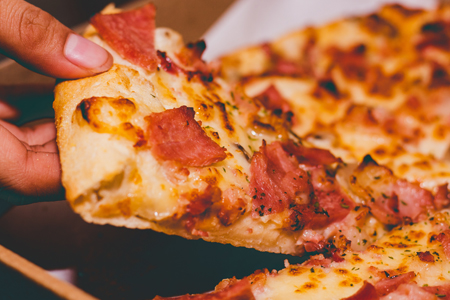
{"type": "Point", "coordinates": [29, 163]}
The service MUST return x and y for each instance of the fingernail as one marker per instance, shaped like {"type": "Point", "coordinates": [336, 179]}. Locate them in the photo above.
{"type": "Point", "coordinates": [86, 54]}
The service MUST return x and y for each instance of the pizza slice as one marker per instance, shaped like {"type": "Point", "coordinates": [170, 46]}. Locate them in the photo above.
{"type": "Point", "coordinates": [375, 84]}
{"type": "Point", "coordinates": [161, 141]}
{"type": "Point", "coordinates": [411, 262]}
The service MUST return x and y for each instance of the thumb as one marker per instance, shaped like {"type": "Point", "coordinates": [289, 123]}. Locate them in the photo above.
{"type": "Point", "coordinates": [38, 41]}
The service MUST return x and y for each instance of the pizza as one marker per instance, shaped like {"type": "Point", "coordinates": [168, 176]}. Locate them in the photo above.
{"type": "Point", "coordinates": [318, 143]}
{"type": "Point", "coordinates": [411, 262]}
{"type": "Point", "coordinates": [377, 81]}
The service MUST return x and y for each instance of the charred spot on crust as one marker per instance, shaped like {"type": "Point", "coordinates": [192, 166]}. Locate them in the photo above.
{"type": "Point", "coordinates": [91, 108]}
{"type": "Point", "coordinates": [84, 106]}
{"type": "Point", "coordinates": [109, 115]}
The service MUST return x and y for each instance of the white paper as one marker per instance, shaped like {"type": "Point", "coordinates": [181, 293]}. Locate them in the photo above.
{"type": "Point", "coordinates": [249, 22]}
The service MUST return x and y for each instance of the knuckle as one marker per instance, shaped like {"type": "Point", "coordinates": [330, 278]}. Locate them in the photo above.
{"type": "Point", "coordinates": [35, 27]}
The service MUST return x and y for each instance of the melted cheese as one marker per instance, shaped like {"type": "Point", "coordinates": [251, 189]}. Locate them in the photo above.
{"type": "Point", "coordinates": [396, 251]}
{"type": "Point", "coordinates": [396, 76]}
{"type": "Point", "coordinates": [138, 187]}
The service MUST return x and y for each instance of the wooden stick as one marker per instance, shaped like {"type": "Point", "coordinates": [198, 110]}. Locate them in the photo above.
{"type": "Point", "coordinates": [42, 277]}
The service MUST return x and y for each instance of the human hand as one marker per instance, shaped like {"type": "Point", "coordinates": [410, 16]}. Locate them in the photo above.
{"type": "Point", "coordinates": [29, 162]}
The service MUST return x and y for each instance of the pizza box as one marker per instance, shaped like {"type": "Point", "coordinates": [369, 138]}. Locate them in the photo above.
{"type": "Point", "coordinates": [54, 254]}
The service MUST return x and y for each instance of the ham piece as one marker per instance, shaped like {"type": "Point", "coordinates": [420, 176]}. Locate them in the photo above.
{"type": "Point", "coordinates": [175, 135]}
{"type": "Point", "coordinates": [273, 100]}
{"type": "Point", "coordinates": [387, 285]}
{"type": "Point", "coordinates": [390, 198]}
{"type": "Point", "coordinates": [287, 176]}
{"type": "Point", "coordinates": [131, 34]}
{"type": "Point", "coordinates": [366, 292]}
{"type": "Point", "coordinates": [444, 238]}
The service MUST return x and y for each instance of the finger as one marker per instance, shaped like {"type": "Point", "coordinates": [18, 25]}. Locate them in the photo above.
{"type": "Point", "coordinates": [49, 146]}
{"type": "Point", "coordinates": [7, 112]}
{"type": "Point", "coordinates": [33, 133]}
{"type": "Point", "coordinates": [38, 41]}
{"type": "Point", "coordinates": [27, 175]}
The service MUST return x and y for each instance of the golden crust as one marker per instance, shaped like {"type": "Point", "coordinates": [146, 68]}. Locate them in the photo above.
{"type": "Point", "coordinates": [75, 141]}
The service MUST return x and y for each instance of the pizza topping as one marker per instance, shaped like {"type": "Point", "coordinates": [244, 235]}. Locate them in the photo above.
{"type": "Point", "coordinates": [327, 87]}
{"type": "Point", "coordinates": [408, 291]}
{"type": "Point", "coordinates": [200, 201]}
{"type": "Point", "coordinates": [425, 256]}
{"type": "Point", "coordinates": [435, 35]}
{"type": "Point", "coordinates": [366, 292]}
{"type": "Point", "coordinates": [379, 25]}
{"type": "Point", "coordinates": [444, 238]}
{"type": "Point", "coordinates": [175, 172]}
{"type": "Point", "coordinates": [332, 251]}
{"type": "Point", "coordinates": [286, 176]}
{"type": "Point", "coordinates": [130, 34]}
{"type": "Point", "coordinates": [283, 66]}
{"type": "Point", "coordinates": [440, 291]}
{"type": "Point", "coordinates": [310, 156]}
{"type": "Point", "coordinates": [247, 107]}
{"type": "Point", "coordinates": [385, 286]}
{"type": "Point", "coordinates": [318, 260]}
{"type": "Point", "coordinates": [311, 246]}
{"type": "Point", "coordinates": [333, 205]}
{"type": "Point", "coordinates": [191, 57]}
{"type": "Point", "coordinates": [273, 100]}
{"type": "Point", "coordinates": [168, 65]}
{"type": "Point", "coordinates": [276, 181]}
{"type": "Point", "coordinates": [390, 199]}
{"type": "Point", "coordinates": [232, 206]}
{"type": "Point", "coordinates": [190, 61]}
{"type": "Point", "coordinates": [352, 62]}
{"type": "Point", "coordinates": [175, 135]}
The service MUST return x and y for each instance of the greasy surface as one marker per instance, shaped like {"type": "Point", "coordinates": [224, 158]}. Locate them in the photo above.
{"type": "Point", "coordinates": [398, 257]}
{"type": "Point", "coordinates": [380, 83]}
{"type": "Point", "coordinates": [398, 251]}
{"type": "Point", "coordinates": [111, 177]}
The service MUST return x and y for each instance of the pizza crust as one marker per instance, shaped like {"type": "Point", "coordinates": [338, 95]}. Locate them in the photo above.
{"type": "Point", "coordinates": [109, 154]}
